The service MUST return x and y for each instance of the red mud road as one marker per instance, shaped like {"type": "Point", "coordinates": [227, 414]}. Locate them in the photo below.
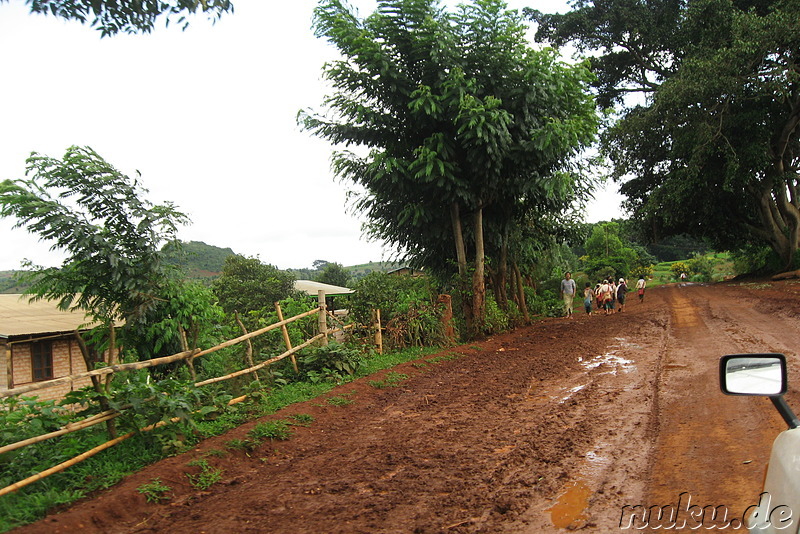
{"type": "Point", "coordinates": [558, 425]}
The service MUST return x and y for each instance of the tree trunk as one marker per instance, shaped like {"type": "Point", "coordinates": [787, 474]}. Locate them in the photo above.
{"type": "Point", "coordinates": [97, 383]}
{"type": "Point", "coordinates": [501, 280]}
{"type": "Point", "coordinates": [478, 279]}
{"type": "Point", "coordinates": [523, 305]}
{"type": "Point", "coordinates": [779, 225]}
{"type": "Point", "coordinates": [461, 257]}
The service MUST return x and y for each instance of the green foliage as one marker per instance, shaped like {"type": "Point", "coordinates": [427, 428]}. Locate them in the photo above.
{"type": "Point", "coordinates": [25, 417]}
{"type": "Point", "coordinates": [333, 362]}
{"type": "Point", "coordinates": [408, 307]}
{"type": "Point", "coordinates": [451, 107]}
{"type": "Point", "coordinates": [272, 430]}
{"type": "Point", "coordinates": [609, 257]}
{"type": "Point", "coordinates": [712, 149]}
{"type": "Point", "coordinates": [753, 258]}
{"type": "Point", "coordinates": [247, 284]}
{"type": "Point", "coordinates": [154, 491]}
{"type": "Point", "coordinates": [110, 235]}
{"type": "Point", "coordinates": [392, 380]}
{"type": "Point", "coordinates": [701, 267]}
{"type": "Point", "coordinates": [334, 274]}
{"type": "Point", "coordinates": [302, 419]}
{"type": "Point", "coordinates": [195, 257]}
{"type": "Point", "coordinates": [137, 16]}
{"type": "Point", "coordinates": [339, 400]}
{"type": "Point", "coordinates": [207, 477]}
{"type": "Point", "coordinates": [144, 402]}
{"type": "Point", "coordinates": [677, 268]}
{"type": "Point", "coordinates": [187, 307]}
{"type": "Point", "coordinates": [497, 320]}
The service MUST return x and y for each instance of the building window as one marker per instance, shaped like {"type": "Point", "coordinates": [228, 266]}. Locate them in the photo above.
{"type": "Point", "coordinates": [42, 360]}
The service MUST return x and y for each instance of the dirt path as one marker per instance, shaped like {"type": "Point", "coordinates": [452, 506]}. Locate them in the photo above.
{"type": "Point", "coordinates": [558, 425]}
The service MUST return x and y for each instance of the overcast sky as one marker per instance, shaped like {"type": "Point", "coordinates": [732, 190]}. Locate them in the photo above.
{"type": "Point", "coordinates": [207, 115]}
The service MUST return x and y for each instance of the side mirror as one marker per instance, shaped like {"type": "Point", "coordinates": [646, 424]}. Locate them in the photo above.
{"type": "Point", "coordinates": [753, 374]}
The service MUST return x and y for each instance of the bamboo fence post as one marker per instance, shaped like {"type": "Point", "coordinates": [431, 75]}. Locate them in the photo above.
{"type": "Point", "coordinates": [286, 339]}
{"type": "Point", "coordinates": [248, 355]}
{"type": "Point", "coordinates": [378, 333]}
{"type": "Point", "coordinates": [323, 318]}
{"type": "Point", "coordinates": [185, 347]}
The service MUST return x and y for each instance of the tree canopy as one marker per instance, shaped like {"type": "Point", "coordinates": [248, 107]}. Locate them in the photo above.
{"type": "Point", "coordinates": [111, 17]}
{"type": "Point", "coordinates": [247, 284]}
{"type": "Point", "coordinates": [459, 117]}
{"type": "Point", "coordinates": [99, 218]}
{"type": "Point", "coordinates": [713, 149]}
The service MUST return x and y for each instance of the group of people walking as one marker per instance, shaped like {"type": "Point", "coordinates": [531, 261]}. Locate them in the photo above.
{"type": "Point", "coordinates": [607, 296]}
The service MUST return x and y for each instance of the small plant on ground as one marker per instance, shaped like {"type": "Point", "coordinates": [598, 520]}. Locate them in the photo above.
{"type": "Point", "coordinates": [271, 430]}
{"type": "Point", "coordinates": [392, 380]}
{"type": "Point", "coordinates": [216, 452]}
{"type": "Point", "coordinates": [302, 419]}
{"type": "Point", "coordinates": [207, 477]}
{"type": "Point", "coordinates": [241, 444]}
{"type": "Point", "coordinates": [339, 401]}
{"type": "Point", "coordinates": [154, 491]}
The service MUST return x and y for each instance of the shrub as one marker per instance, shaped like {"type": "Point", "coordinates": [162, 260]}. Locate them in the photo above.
{"type": "Point", "coordinates": [333, 362]}
{"type": "Point", "coordinates": [409, 308]}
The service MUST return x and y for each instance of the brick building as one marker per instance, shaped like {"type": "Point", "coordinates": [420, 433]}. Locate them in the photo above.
{"type": "Point", "coordinates": [37, 344]}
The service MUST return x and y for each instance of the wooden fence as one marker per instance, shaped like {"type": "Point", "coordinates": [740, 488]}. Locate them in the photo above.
{"type": "Point", "coordinates": [188, 356]}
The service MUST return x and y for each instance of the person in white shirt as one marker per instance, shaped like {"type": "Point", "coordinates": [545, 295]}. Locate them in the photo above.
{"type": "Point", "coordinates": [640, 285]}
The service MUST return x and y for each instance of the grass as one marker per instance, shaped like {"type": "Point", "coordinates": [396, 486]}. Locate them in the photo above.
{"type": "Point", "coordinates": [207, 477]}
{"type": "Point", "coordinates": [392, 380]}
{"type": "Point", "coordinates": [302, 419]}
{"type": "Point", "coordinates": [154, 491]}
{"type": "Point", "coordinates": [339, 400]}
{"type": "Point", "coordinates": [272, 430]}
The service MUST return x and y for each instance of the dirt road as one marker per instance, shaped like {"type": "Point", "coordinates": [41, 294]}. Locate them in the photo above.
{"type": "Point", "coordinates": [558, 425]}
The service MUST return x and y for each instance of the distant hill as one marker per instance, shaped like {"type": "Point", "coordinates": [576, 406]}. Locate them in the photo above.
{"type": "Point", "coordinates": [360, 271]}
{"type": "Point", "coordinates": [199, 259]}
{"type": "Point", "coordinates": [8, 284]}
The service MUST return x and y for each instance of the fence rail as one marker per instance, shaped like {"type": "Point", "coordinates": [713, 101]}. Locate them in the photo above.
{"type": "Point", "coordinates": [189, 356]}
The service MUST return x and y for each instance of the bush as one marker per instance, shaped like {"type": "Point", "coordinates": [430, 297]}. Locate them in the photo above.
{"type": "Point", "coordinates": [333, 363]}
{"type": "Point", "coordinates": [408, 305]}
{"type": "Point", "coordinates": [497, 320]}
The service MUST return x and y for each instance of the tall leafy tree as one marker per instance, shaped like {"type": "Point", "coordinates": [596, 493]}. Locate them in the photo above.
{"type": "Point", "coordinates": [460, 118]}
{"type": "Point", "coordinates": [111, 17]}
{"type": "Point", "coordinates": [714, 148]}
{"type": "Point", "coordinates": [98, 217]}
{"type": "Point", "coordinates": [111, 236]}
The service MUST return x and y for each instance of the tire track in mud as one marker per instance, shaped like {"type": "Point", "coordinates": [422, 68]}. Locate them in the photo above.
{"type": "Point", "coordinates": [616, 390]}
{"type": "Point", "coordinates": [711, 448]}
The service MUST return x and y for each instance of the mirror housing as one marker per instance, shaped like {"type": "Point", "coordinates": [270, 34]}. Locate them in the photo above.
{"type": "Point", "coordinates": [753, 374]}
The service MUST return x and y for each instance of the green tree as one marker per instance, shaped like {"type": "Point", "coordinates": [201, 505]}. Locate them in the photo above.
{"type": "Point", "coordinates": [462, 121]}
{"type": "Point", "coordinates": [247, 284]}
{"type": "Point", "coordinates": [111, 236]}
{"type": "Point", "coordinates": [608, 256]}
{"type": "Point", "coordinates": [714, 149]}
{"type": "Point", "coordinates": [334, 274]}
{"type": "Point", "coordinates": [128, 16]}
